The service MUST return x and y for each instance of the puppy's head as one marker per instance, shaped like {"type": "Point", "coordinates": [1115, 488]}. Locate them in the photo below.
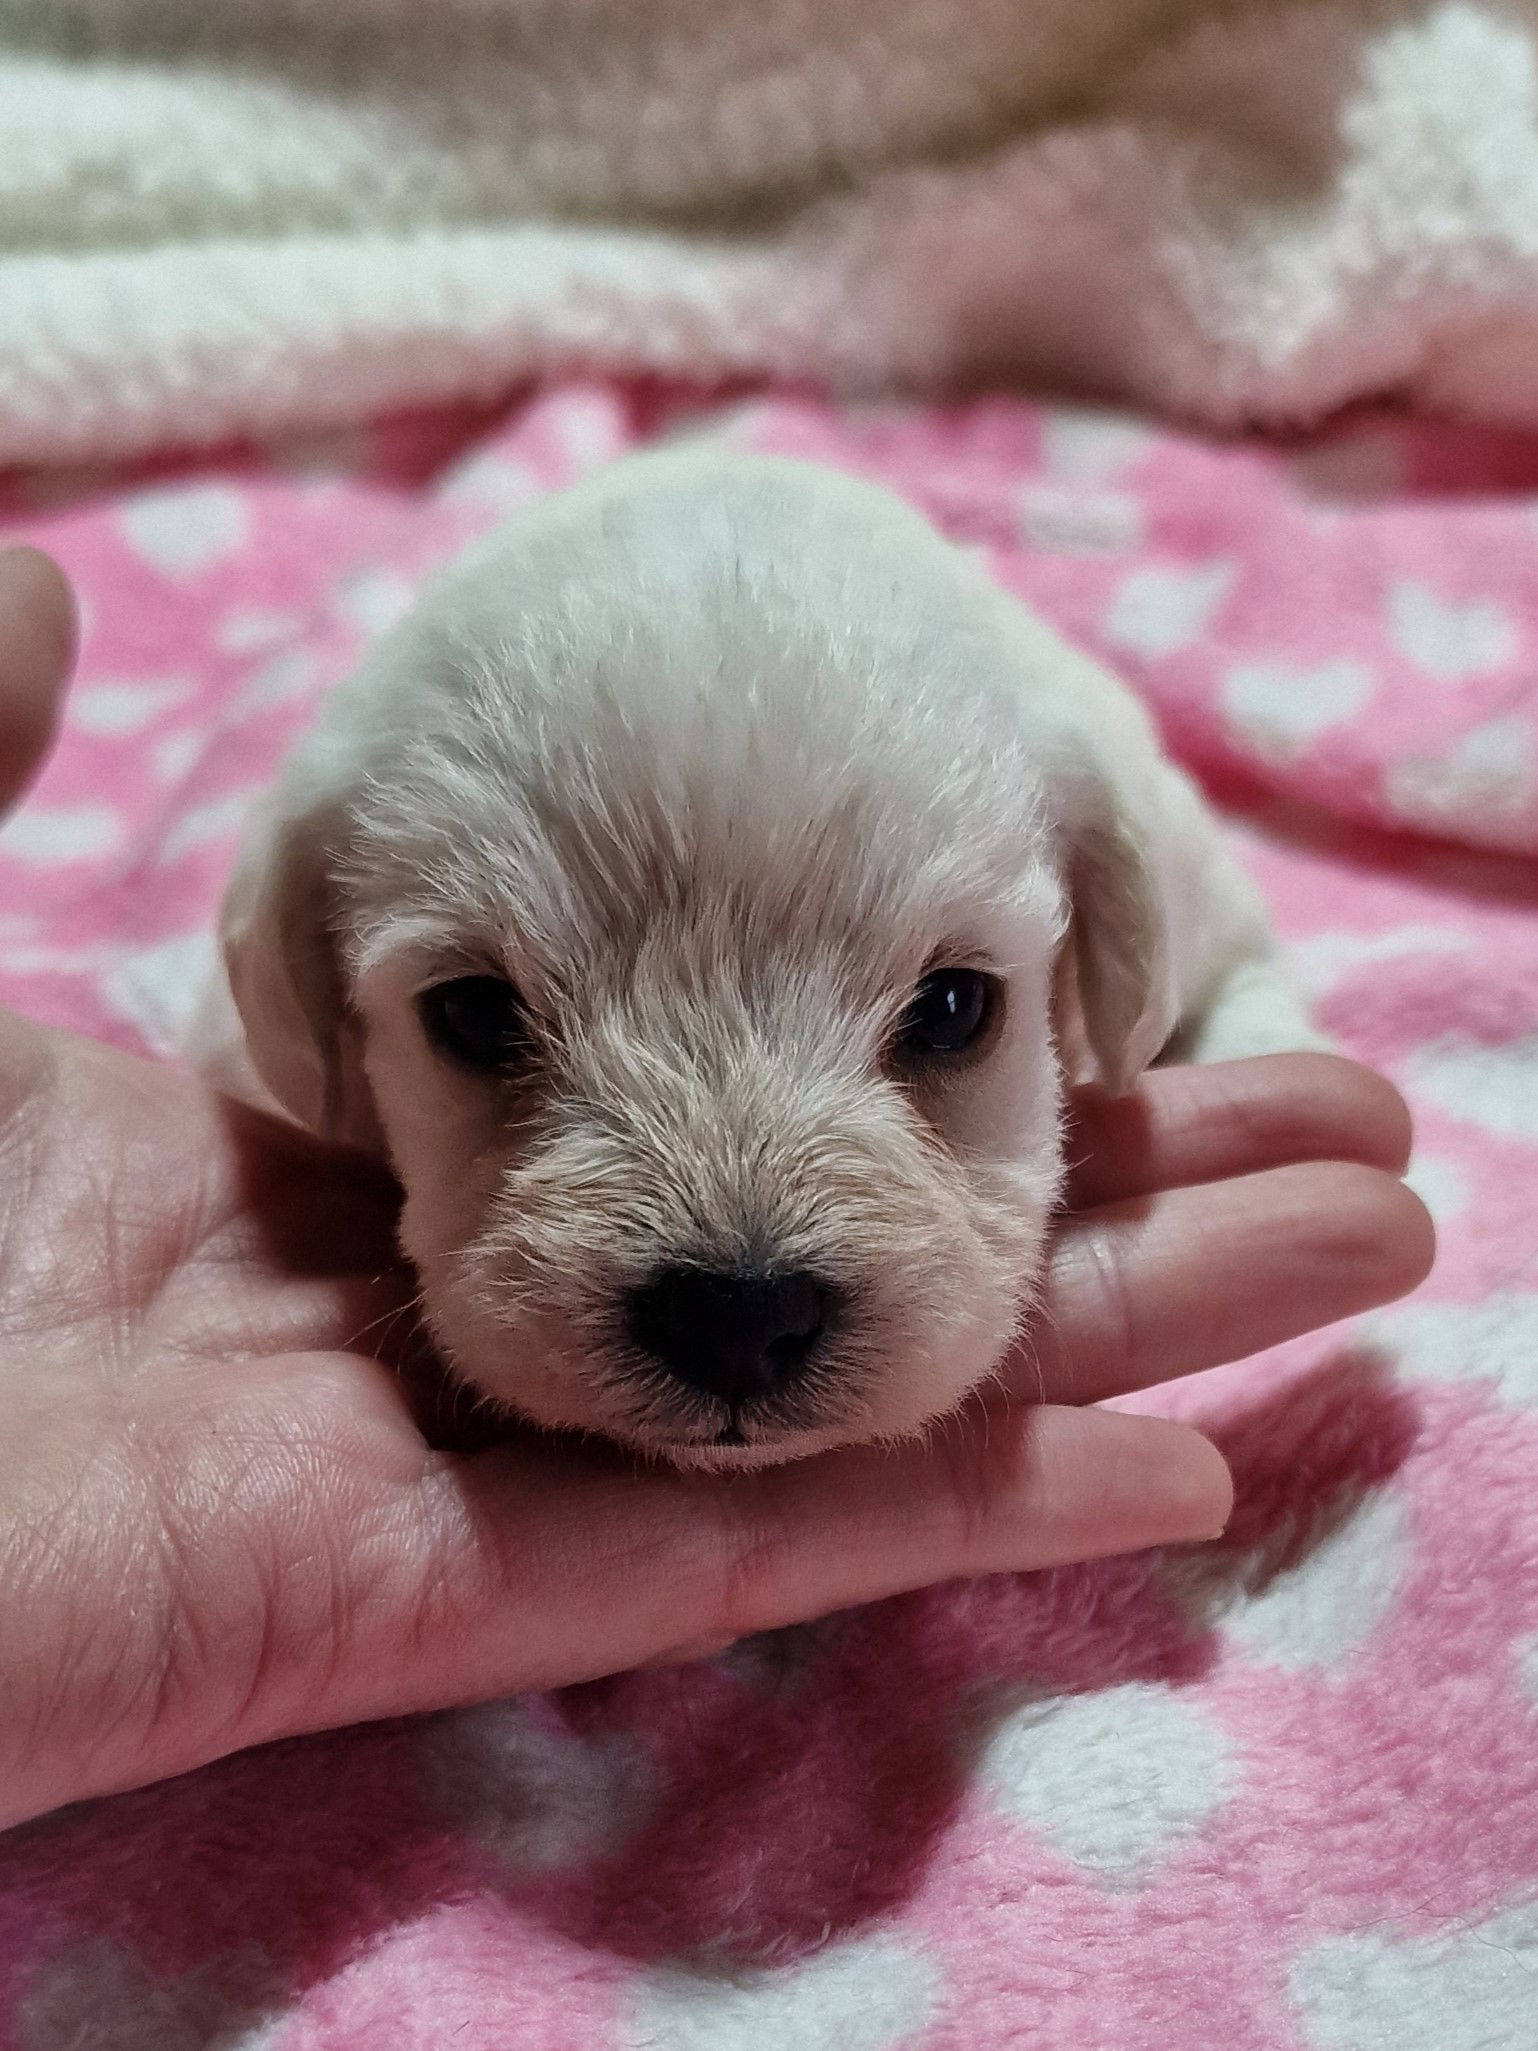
{"type": "Point", "coordinates": [678, 899]}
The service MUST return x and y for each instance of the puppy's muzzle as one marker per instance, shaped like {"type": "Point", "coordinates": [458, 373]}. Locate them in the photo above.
{"type": "Point", "coordinates": [742, 1336]}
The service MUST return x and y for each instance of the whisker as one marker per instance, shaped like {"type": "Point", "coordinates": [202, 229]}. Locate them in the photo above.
{"type": "Point", "coordinates": [386, 1322]}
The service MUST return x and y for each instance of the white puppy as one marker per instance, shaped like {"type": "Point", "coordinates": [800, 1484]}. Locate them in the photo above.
{"type": "Point", "coordinates": [700, 899]}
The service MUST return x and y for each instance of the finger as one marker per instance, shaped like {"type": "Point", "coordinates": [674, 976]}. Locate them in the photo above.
{"type": "Point", "coordinates": [567, 1575]}
{"type": "Point", "coordinates": [1140, 1293]}
{"type": "Point", "coordinates": [1206, 1123]}
{"type": "Point", "coordinates": [37, 634]}
{"type": "Point", "coordinates": [446, 1580]}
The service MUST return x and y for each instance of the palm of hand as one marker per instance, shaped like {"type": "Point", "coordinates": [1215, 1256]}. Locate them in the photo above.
{"type": "Point", "coordinates": [186, 1401]}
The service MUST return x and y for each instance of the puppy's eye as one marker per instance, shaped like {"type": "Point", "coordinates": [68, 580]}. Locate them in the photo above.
{"type": "Point", "coordinates": [949, 1013]}
{"type": "Point", "coordinates": [478, 1019]}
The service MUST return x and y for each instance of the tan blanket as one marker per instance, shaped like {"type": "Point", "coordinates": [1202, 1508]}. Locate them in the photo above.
{"type": "Point", "coordinates": [262, 214]}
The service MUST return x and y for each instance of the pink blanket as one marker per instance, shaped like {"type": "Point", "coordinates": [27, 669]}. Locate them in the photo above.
{"type": "Point", "coordinates": [1281, 1794]}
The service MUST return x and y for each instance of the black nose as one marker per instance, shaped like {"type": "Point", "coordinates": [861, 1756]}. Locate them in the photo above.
{"type": "Point", "coordinates": [739, 1336]}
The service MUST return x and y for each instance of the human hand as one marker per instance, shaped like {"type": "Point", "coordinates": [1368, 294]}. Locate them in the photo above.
{"type": "Point", "coordinates": [221, 1522]}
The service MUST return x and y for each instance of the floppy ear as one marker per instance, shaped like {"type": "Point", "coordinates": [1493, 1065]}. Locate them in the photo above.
{"type": "Point", "coordinates": [1119, 931]}
{"type": "Point", "coordinates": [281, 959]}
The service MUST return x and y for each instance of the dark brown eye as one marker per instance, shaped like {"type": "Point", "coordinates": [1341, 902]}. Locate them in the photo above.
{"type": "Point", "coordinates": [949, 1012]}
{"type": "Point", "coordinates": [479, 1020]}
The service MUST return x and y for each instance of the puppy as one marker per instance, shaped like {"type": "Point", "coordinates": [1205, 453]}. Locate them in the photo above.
{"type": "Point", "coordinates": [702, 900]}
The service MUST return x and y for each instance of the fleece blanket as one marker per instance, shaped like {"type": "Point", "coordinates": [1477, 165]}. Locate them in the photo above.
{"type": "Point", "coordinates": [1279, 1793]}
{"type": "Point", "coordinates": [268, 214]}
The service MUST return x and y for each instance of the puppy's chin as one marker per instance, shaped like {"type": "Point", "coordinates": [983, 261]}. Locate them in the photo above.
{"type": "Point", "coordinates": [735, 1449]}
{"type": "Point", "coordinates": [749, 1446]}
{"type": "Point", "coordinates": [569, 1392]}
{"type": "Point", "coordinates": [742, 1454]}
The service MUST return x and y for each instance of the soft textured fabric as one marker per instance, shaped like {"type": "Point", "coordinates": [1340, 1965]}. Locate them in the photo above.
{"type": "Point", "coordinates": [269, 214]}
{"type": "Point", "coordinates": [1280, 1793]}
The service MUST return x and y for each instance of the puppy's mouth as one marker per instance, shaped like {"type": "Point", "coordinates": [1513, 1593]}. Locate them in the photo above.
{"type": "Point", "coordinates": [732, 1452]}
{"type": "Point", "coordinates": [692, 1429]}
{"type": "Point", "coordinates": [792, 1426]}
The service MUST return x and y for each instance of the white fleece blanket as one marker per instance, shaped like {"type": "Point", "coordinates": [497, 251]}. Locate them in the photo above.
{"type": "Point", "coordinates": [220, 220]}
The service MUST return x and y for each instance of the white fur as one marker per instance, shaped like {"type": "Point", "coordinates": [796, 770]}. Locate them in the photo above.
{"type": "Point", "coordinates": [714, 758]}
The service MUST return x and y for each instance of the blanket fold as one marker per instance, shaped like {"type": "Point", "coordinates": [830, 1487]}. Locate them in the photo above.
{"type": "Point", "coordinates": [266, 216]}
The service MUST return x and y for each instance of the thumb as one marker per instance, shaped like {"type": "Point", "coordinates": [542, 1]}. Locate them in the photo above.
{"type": "Point", "coordinates": [37, 651]}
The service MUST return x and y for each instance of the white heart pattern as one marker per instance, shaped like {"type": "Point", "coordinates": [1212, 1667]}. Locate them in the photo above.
{"type": "Point", "coordinates": [1489, 775]}
{"type": "Point", "coordinates": [54, 836]}
{"type": "Point", "coordinates": [1495, 1342]}
{"type": "Point", "coordinates": [1160, 611]}
{"type": "Point", "coordinates": [215, 819]}
{"type": "Point", "coordinates": [533, 1794]}
{"type": "Point", "coordinates": [1082, 442]}
{"type": "Point", "coordinates": [1493, 1086]}
{"type": "Point", "coordinates": [182, 530]}
{"type": "Point", "coordinates": [1282, 708]}
{"type": "Point", "coordinates": [111, 706]}
{"type": "Point", "coordinates": [493, 482]}
{"type": "Point", "coordinates": [1112, 1778]}
{"type": "Point", "coordinates": [1322, 1609]}
{"type": "Point", "coordinates": [375, 599]}
{"type": "Point", "coordinates": [1321, 961]}
{"type": "Point", "coordinates": [1469, 1989]}
{"type": "Point", "coordinates": [1527, 1660]}
{"type": "Point", "coordinates": [866, 1996]}
{"type": "Point", "coordinates": [1441, 1186]}
{"type": "Point", "coordinates": [1446, 639]}
{"type": "Point", "coordinates": [1070, 521]}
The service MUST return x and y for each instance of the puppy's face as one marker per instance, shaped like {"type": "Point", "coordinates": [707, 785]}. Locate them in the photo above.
{"type": "Point", "coordinates": [713, 1167]}
{"type": "Point", "coordinates": [699, 938]}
